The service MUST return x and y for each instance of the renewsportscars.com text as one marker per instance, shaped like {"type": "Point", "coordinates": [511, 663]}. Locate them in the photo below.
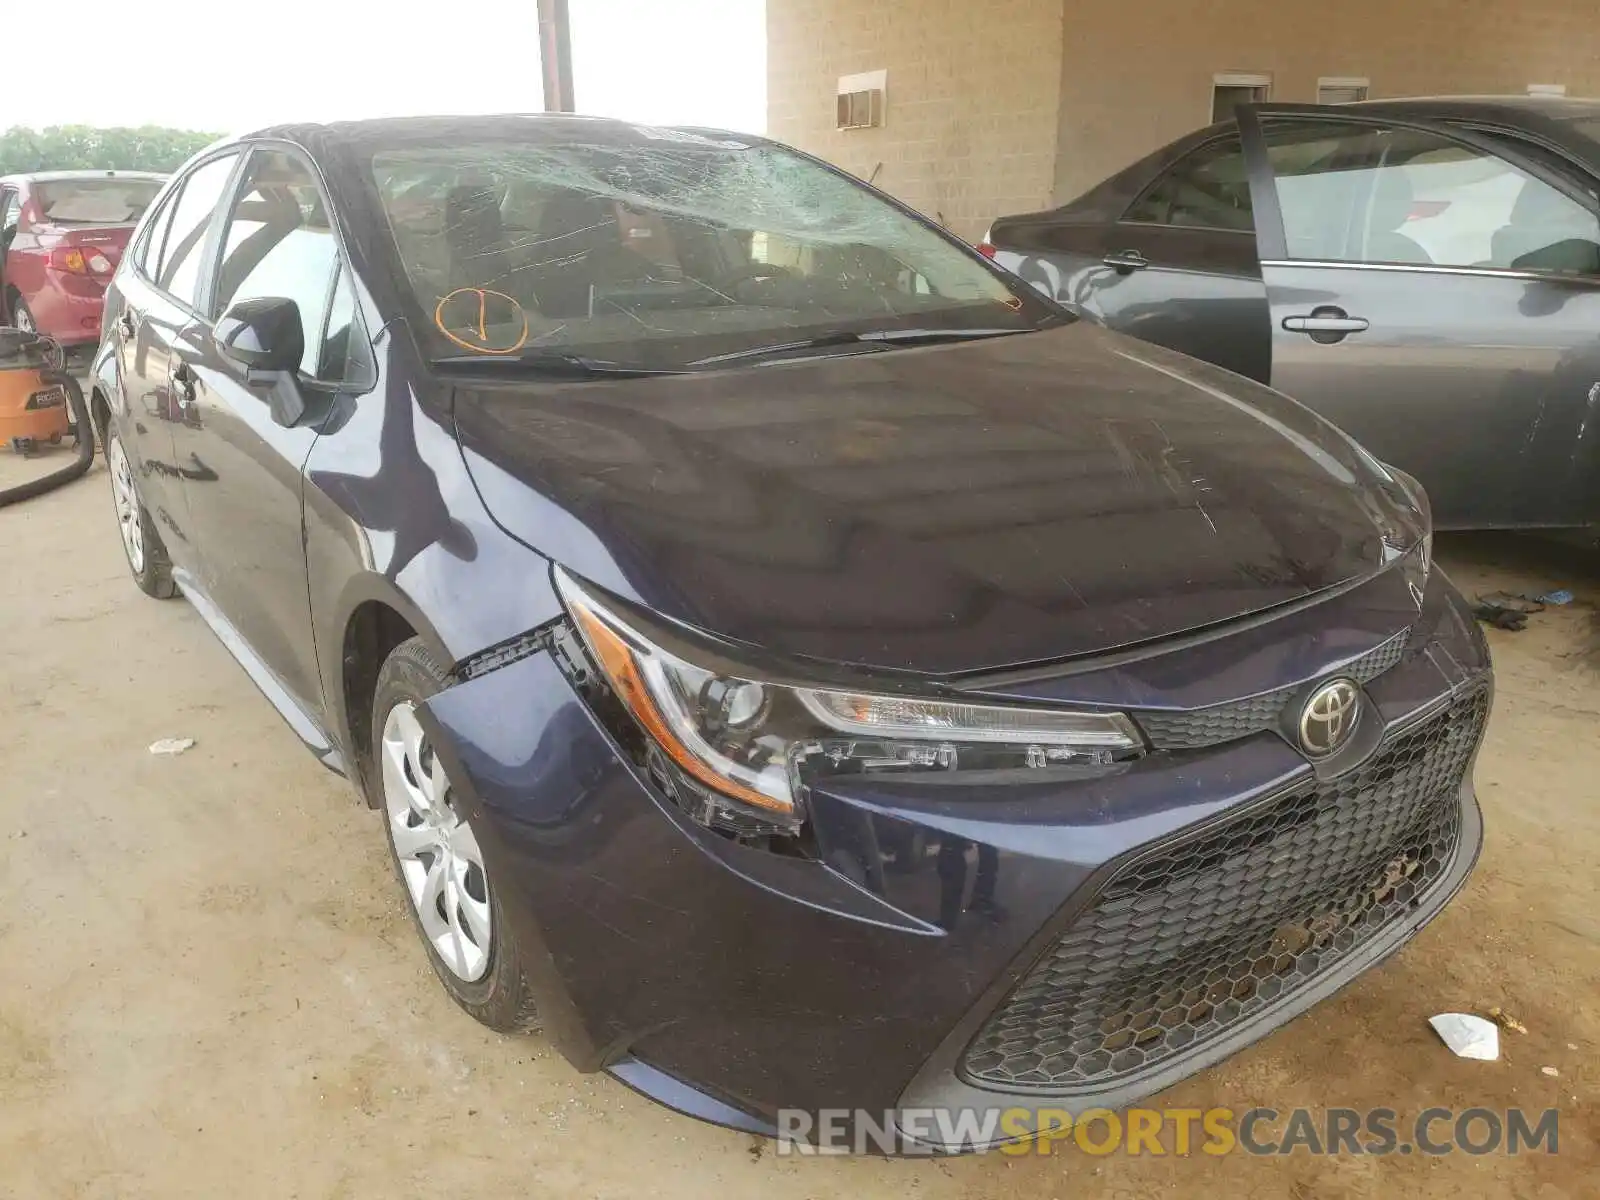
{"type": "Point", "coordinates": [1170, 1131]}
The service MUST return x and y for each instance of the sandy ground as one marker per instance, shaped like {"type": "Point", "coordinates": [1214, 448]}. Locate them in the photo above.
{"type": "Point", "coordinates": [16, 470]}
{"type": "Point", "coordinates": [208, 986]}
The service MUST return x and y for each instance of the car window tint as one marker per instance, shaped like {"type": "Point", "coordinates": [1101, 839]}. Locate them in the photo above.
{"type": "Point", "coordinates": [179, 269]}
{"type": "Point", "coordinates": [1206, 189]}
{"type": "Point", "coordinates": [343, 355]}
{"type": "Point", "coordinates": [147, 255]}
{"type": "Point", "coordinates": [279, 243]}
{"type": "Point", "coordinates": [10, 211]}
{"type": "Point", "coordinates": [1371, 194]}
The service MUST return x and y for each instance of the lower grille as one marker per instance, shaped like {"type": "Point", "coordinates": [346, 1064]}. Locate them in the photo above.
{"type": "Point", "coordinates": [1180, 947]}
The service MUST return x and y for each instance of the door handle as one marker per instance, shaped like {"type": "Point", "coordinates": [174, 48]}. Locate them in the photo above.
{"type": "Point", "coordinates": [183, 384]}
{"type": "Point", "coordinates": [1327, 324]}
{"type": "Point", "coordinates": [1126, 260]}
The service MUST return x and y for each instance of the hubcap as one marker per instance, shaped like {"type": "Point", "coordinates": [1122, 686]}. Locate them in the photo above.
{"type": "Point", "coordinates": [436, 848]}
{"type": "Point", "coordinates": [127, 502]}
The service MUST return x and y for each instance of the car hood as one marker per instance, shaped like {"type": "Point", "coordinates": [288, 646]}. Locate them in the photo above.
{"type": "Point", "coordinates": [941, 510]}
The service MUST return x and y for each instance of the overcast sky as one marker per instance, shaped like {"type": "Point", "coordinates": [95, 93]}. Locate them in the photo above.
{"type": "Point", "coordinates": [205, 64]}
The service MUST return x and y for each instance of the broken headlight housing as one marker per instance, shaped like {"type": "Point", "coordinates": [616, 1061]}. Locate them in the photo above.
{"type": "Point", "coordinates": [1419, 498]}
{"type": "Point", "coordinates": [1418, 563]}
{"type": "Point", "coordinates": [740, 752]}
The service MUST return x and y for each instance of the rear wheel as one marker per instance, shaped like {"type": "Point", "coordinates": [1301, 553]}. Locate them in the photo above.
{"type": "Point", "coordinates": [146, 552]}
{"type": "Point", "coordinates": [436, 852]}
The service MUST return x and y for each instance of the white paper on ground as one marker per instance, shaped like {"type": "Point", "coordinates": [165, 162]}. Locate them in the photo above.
{"type": "Point", "coordinates": [1468, 1036]}
{"type": "Point", "coordinates": [171, 745]}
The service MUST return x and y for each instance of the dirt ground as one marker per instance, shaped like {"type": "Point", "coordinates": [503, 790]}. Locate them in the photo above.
{"type": "Point", "coordinates": [208, 985]}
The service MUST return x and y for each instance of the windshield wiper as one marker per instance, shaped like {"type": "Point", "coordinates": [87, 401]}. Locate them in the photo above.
{"type": "Point", "coordinates": [556, 364]}
{"type": "Point", "coordinates": [847, 337]}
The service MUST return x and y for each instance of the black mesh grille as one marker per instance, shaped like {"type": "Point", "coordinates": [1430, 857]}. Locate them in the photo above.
{"type": "Point", "coordinates": [1217, 723]}
{"type": "Point", "coordinates": [1179, 947]}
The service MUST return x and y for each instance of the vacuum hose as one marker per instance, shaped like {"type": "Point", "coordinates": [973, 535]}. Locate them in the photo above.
{"type": "Point", "coordinates": [84, 457]}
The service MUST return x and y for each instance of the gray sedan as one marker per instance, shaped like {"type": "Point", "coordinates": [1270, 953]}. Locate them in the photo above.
{"type": "Point", "coordinates": [1424, 273]}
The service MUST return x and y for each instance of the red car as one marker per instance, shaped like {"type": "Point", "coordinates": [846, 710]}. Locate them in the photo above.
{"type": "Point", "coordinates": [62, 234]}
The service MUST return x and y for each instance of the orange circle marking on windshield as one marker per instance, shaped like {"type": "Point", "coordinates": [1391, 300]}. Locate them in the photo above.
{"type": "Point", "coordinates": [481, 332]}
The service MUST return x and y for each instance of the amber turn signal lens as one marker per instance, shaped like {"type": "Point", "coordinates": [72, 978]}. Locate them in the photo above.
{"type": "Point", "coordinates": [621, 666]}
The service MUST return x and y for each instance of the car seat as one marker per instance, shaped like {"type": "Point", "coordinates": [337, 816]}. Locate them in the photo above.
{"type": "Point", "coordinates": [581, 247]}
{"type": "Point", "coordinates": [475, 234]}
{"type": "Point", "coordinates": [1547, 232]}
{"type": "Point", "coordinates": [573, 227]}
{"type": "Point", "coordinates": [1392, 200]}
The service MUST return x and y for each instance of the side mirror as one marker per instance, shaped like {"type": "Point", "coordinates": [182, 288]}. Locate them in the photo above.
{"type": "Point", "coordinates": [264, 336]}
{"type": "Point", "coordinates": [1570, 256]}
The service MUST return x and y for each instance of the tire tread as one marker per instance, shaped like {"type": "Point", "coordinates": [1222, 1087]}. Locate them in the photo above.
{"type": "Point", "coordinates": [501, 1000]}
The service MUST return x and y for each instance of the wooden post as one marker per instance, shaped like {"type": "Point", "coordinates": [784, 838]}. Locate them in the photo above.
{"type": "Point", "coordinates": [555, 55]}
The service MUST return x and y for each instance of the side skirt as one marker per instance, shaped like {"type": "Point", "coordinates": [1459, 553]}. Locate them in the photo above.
{"type": "Point", "coordinates": [305, 726]}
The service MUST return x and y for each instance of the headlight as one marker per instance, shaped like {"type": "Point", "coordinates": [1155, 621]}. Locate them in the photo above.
{"type": "Point", "coordinates": [1418, 496]}
{"type": "Point", "coordinates": [760, 743]}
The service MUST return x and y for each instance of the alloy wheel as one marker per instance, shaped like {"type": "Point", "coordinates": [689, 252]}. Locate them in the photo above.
{"type": "Point", "coordinates": [437, 851]}
{"type": "Point", "coordinates": [126, 498]}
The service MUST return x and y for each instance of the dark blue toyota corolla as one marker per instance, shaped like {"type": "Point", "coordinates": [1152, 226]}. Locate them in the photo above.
{"type": "Point", "coordinates": [788, 654]}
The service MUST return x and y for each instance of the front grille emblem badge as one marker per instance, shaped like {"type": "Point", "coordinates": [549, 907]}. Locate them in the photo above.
{"type": "Point", "coordinates": [1329, 717]}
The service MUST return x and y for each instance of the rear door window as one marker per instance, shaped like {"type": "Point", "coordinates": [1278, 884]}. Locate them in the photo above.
{"type": "Point", "coordinates": [183, 249]}
{"type": "Point", "coordinates": [1206, 189]}
{"type": "Point", "coordinates": [147, 255]}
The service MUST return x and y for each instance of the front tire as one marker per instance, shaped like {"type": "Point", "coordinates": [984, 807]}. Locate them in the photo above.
{"type": "Point", "coordinates": [146, 552]}
{"type": "Point", "coordinates": [436, 853]}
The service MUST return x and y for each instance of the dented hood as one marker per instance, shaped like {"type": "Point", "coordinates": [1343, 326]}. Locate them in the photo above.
{"type": "Point", "coordinates": [939, 510]}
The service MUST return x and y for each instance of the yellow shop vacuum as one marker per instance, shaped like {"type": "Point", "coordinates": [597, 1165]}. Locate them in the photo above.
{"type": "Point", "coordinates": [41, 404]}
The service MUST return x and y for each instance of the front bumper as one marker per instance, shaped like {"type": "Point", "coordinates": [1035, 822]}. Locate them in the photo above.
{"type": "Point", "coordinates": [731, 982]}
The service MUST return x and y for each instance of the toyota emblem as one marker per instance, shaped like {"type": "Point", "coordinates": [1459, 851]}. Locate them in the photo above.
{"type": "Point", "coordinates": [1329, 717]}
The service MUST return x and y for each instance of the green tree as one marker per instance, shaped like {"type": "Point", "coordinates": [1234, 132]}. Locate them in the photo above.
{"type": "Point", "coordinates": [87, 148]}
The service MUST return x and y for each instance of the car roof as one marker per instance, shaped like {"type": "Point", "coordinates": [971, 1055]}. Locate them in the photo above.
{"type": "Point", "coordinates": [58, 176]}
{"type": "Point", "coordinates": [554, 127]}
{"type": "Point", "coordinates": [1557, 108]}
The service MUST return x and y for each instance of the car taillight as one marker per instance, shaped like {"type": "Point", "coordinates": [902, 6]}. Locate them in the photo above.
{"type": "Point", "coordinates": [75, 261]}
{"type": "Point", "coordinates": [986, 248]}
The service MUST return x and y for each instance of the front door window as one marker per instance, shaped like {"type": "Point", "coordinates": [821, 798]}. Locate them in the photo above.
{"type": "Point", "coordinates": [1368, 194]}
{"type": "Point", "coordinates": [280, 243]}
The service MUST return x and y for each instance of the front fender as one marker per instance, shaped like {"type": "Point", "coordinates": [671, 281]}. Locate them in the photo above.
{"type": "Point", "coordinates": [392, 518]}
{"type": "Point", "coordinates": [105, 378]}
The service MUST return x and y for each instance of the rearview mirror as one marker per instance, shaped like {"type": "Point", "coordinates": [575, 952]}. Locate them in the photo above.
{"type": "Point", "coordinates": [262, 336]}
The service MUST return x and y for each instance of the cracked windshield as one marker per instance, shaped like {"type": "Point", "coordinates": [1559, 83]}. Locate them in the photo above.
{"type": "Point", "coordinates": [667, 249]}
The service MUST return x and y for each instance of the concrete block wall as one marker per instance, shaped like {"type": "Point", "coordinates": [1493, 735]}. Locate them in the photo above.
{"type": "Point", "coordinates": [971, 98]}
{"type": "Point", "coordinates": [1133, 78]}
{"type": "Point", "coordinates": [997, 106]}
